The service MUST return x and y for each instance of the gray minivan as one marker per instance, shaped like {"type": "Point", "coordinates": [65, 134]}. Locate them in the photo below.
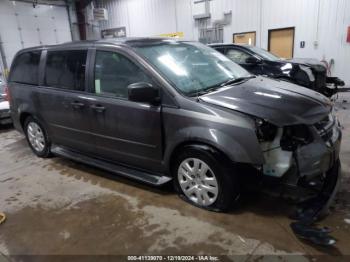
{"type": "Point", "coordinates": [156, 110]}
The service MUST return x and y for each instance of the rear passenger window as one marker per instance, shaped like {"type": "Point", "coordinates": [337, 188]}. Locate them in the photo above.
{"type": "Point", "coordinates": [114, 72]}
{"type": "Point", "coordinates": [25, 68]}
{"type": "Point", "coordinates": [66, 69]}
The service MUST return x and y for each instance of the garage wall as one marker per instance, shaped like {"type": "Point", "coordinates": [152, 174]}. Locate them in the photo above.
{"type": "Point", "coordinates": [322, 24]}
{"type": "Point", "coordinates": [23, 26]}
{"type": "Point", "coordinates": [245, 16]}
{"type": "Point", "coordinates": [149, 17]}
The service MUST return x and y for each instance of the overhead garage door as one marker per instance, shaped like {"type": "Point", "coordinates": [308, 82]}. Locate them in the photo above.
{"type": "Point", "coordinates": [281, 42]}
{"type": "Point", "coordinates": [23, 26]}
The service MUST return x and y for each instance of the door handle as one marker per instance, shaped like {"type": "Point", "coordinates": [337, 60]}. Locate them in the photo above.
{"type": "Point", "coordinates": [98, 108]}
{"type": "Point", "coordinates": [77, 104]}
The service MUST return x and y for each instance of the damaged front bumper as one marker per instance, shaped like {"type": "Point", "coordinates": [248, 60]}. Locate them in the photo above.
{"type": "Point", "coordinates": [305, 158]}
{"type": "Point", "coordinates": [308, 159]}
{"type": "Point", "coordinates": [319, 156]}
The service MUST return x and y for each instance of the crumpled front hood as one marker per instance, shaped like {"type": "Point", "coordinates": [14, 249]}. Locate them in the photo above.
{"type": "Point", "coordinates": [306, 61]}
{"type": "Point", "coordinates": [281, 103]}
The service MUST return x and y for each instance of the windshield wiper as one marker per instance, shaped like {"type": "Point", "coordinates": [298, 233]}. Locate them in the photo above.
{"type": "Point", "coordinates": [218, 86]}
{"type": "Point", "coordinates": [236, 80]}
{"type": "Point", "coordinates": [205, 91]}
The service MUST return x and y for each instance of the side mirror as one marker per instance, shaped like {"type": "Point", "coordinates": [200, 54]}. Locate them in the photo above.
{"type": "Point", "coordinates": [252, 60]}
{"type": "Point", "coordinates": [143, 92]}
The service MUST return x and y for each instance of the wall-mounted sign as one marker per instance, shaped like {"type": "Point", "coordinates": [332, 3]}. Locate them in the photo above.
{"type": "Point", "coordinates": [348, 36]}
{"type": "Point", "coordinates": [100, 14]}
{"type": "Point", "coordinates": [117, 32]}
{"type": "Point", "coordinates": [175, 35]}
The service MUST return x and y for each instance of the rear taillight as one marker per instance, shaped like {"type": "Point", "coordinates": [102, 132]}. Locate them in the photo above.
{"type": "Point", "coordinates": [7, 96]}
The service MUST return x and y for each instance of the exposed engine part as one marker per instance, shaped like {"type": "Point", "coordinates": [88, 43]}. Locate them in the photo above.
{"type": "Point", "coordinates": [295, 136]}
{"type": "Point", "coordinates": [265, 131]}
{"type": "Point", "coordinates": [277, 161]}
{"type": "Point", "coordinates": [305, 146]}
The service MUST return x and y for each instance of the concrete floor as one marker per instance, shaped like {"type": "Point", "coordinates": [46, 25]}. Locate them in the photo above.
{"type": "Point", "coordinates": [56, 206]}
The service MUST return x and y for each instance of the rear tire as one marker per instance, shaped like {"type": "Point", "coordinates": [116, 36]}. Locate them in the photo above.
{"type": "Point", "coordinates": [204, 179]}
{"type": "Point", "coordinates": [37, 137]}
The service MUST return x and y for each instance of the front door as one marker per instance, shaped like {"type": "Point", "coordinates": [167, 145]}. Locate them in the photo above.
{"type": "Point", "coordinates": [124, 131]}
{"type": "Point", "coordinates": [61, 100]}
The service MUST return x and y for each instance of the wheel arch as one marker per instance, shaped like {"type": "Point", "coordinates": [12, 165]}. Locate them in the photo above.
{"type": "Point", "coordinates": [200, 145]}
{"type": "Point", "coordinates": [25, 114]}
{"type": "Point", "coordinates": [240, 149]}
{"type": "Point", "coordinates": [22, 118]}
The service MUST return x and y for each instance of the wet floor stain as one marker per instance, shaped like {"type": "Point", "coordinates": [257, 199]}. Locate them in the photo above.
{"type": "Point", "coordinates": [110, 225]}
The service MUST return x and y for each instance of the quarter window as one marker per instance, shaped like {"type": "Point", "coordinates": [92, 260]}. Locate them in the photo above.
{"type": "Point", "coordinates": [114, 72]}
{"type": "Point", "coordinates": [66, 69]}
{"type": "Point", "coordinates": [237, 56]}
{"type": "Point", "coordinates": [25, 68]}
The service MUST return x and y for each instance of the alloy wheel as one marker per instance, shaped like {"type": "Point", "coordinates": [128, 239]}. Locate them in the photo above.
{"type": "Point", "coordinates": [36, 136]}
{"type": "Point", "coordinates": [198, 181]}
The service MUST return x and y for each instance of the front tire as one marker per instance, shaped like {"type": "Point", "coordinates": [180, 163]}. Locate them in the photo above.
{"type": "Point", "coordinates": [204, 179]}
{"type": "Point", "coordinates": [37, 137]}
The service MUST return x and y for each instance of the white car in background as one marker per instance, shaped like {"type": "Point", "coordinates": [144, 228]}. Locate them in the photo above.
{"type": "Point", "coordinates": [5, 115]}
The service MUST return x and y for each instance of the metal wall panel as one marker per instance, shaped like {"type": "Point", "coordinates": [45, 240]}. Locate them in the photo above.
{"type": "Point", "coordinates": [333, 22]}
{"type": "Point", "coordinates": [320, 23]}
{"type": "Point", "coordinates": [145, 17]}
{"type": "Point", "coordinates": [152, 17]}
{"type": "Point", "coordinates": [323, 22]}
{"type": "Point", "coordinates": [245, 18]}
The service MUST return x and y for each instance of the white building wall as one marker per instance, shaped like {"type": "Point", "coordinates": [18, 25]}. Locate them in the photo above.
{"type": "Point", "coordinates": [321, 21]}
{"type": "Point", "coordinates": [23, 26]}
{"type": "Point", "coordinates": [334, 20]}
{"type": "Point", "coordinates": [245, 18]}
{"type": "Point", "coordinates": [149, 17]}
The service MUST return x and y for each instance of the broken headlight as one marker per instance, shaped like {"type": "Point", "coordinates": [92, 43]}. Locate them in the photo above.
{"type": "Point", "coordinates": [294, 136]}
{"type": "Point", "coordinates": [264, 130]}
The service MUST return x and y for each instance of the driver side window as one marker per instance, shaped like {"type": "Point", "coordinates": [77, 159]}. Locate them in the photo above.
{"type": "Point", "coordinates": [237, 56]}
{"type": "Point", "coordinates": [114, 72]}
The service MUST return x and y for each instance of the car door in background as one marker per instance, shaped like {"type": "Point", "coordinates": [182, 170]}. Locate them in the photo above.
{"type": "Point", "coordinates": [125, 131]}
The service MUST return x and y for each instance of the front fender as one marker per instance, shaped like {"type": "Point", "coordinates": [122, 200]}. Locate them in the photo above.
{"type": "Point", "coordinates": [243, 148]}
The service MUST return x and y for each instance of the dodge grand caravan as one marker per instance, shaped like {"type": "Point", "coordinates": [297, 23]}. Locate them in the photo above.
{"type": "Point", "coordinates": [156, 110]}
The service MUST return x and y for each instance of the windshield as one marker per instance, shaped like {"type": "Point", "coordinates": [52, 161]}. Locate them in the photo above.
{"type": "Point", "coordinates": [265, 54]}
{"type": "Point", "coordinates": [192, 67]}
